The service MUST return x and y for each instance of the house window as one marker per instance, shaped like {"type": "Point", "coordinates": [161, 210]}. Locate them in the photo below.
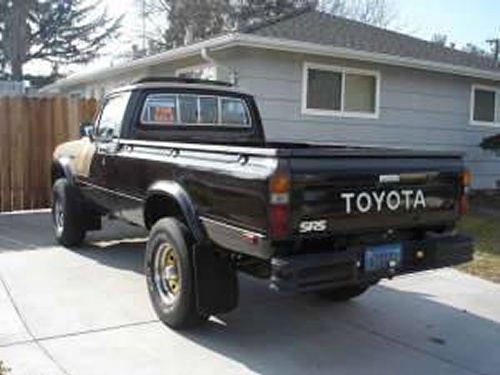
{"type": "Point", "coordinates": [340, 91]}
{"type": "Point", "coordinates": [484, 104]}
{"type": "Point", "coordinates": [324, 90]}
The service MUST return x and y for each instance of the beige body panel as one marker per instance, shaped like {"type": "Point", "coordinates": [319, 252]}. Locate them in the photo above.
{"type": "Point", "coordinates": [81, 152]}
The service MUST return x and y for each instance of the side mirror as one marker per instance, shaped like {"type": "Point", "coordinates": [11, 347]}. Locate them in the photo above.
{"type": "Point", "coordinates": [104, 135]}
{"type": "Point", "coordinates": [87, 130]}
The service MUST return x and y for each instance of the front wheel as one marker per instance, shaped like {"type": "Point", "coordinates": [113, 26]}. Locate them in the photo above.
{"type": "Point", "coordinates": [170, 275]}
{"type": "Point", "coordinates": [67, 214]}
{"type": "Point", "coordinates": [344, 293]}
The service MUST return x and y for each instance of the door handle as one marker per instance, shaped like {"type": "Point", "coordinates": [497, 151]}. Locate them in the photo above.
{"type": "Point", "coordinates": [102, 148]}
{"type": "Point", "coordinates": [243, 159]}
{"type": "Point", "coordinates": [103, 160]}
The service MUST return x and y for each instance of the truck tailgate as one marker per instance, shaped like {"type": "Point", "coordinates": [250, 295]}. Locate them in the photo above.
{"type": "Point", "coordinates": [349, 192]}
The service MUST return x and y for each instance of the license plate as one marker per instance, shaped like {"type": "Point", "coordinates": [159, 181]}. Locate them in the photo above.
{"type": "Point", "coordinates": [383, 257]}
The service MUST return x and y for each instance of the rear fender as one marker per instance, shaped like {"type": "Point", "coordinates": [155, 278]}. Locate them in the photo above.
{"type": "Point", "coordinates": [176, 192]}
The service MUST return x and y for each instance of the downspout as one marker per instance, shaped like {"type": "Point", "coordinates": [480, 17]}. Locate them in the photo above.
{"type": "Point", "coordinates": [233, 74]}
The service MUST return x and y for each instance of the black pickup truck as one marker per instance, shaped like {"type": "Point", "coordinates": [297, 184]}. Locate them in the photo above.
{"type": "Point", "coordinates": [188, 160]}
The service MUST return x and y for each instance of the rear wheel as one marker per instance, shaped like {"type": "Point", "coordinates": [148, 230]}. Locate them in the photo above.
{"type": "Point", "coordinates": [170, 275]}
{"type": "Point", "coordinates": [67, 214]}
{"type": "Point", "coordinates": [344, 293]}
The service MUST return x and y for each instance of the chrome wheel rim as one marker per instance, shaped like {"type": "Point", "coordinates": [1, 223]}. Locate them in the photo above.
{"type": "Point", "coordinates": [167, 277]}
{"type": "Point", "coordinates": [58, 215]}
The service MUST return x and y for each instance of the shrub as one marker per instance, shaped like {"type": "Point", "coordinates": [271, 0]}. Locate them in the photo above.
{"type": "Point", "coordinates": [491, 143]}
{"type": "Point", "coordinates": [3, 369]}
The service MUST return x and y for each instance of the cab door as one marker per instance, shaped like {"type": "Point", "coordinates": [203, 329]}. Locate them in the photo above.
{"type": "Point", "coordinates": [106, 138]}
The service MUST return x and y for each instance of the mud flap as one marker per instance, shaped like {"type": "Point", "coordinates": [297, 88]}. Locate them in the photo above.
{"type": "Point", "coordinates": [216, 282]}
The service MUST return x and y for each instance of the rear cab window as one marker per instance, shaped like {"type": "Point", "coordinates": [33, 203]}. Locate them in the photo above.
{"type": "Point", "coordinates": [195, 110]}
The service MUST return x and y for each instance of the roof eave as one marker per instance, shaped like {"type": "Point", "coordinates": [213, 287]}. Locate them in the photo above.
{"type": "Point", "coordinates": [342, 52]}
{"type": "Point", "coordinates": [286, 45]}
{"type": "Point", "coordinates": [170, 55]}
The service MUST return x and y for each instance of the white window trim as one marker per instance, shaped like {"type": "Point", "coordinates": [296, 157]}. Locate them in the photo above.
{"type": "Point", "coordinates": [496, 90]}
{"type": "Point", "coordinates": [344, 71]}
{"type": "Point", "coordinates": [189, 69]}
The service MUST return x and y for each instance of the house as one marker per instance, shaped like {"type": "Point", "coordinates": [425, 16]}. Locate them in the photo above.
{"type": "Point", "coordinates": [321, 78]}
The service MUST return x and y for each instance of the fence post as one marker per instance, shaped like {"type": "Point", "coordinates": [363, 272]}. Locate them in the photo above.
{"type": "Point", "coordinates": [5, 157]}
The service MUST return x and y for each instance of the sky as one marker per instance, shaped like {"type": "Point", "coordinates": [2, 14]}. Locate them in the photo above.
{"type": "Point", "coordinates": [463, 21]}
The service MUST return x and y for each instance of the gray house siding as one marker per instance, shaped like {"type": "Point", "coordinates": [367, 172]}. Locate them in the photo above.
{"type": "Point", "coordinates": [418, 109]}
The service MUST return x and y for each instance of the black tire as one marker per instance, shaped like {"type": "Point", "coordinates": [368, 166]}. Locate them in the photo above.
{"type": "Point", "coordinates": [343, 294]}
{"type": "Point", "coordinates": [175, 306]}
{"type": "Point", "coordinates": [70, 227]}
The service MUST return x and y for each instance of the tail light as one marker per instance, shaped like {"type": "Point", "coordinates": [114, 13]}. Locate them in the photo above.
{"type": "Point", "coordinates": [279, 211]}
{"type": "Point", "coordinates": [465, 182]}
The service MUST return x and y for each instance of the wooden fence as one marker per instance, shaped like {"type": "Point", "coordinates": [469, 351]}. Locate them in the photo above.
{"type": "Point", "coordinates": [30, 129]}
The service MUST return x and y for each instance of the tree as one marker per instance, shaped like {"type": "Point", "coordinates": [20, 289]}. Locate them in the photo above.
{"type": "Point", "coordinates": [179, 22]}
{"type": "Point", "coordinates": [192, 20]}
{"type": "Point", "coordinates": [494, 51]}
{"type": "Point", "coordinates": [379, 13]}
{"type": "Point", "coordinates": [247, 12]}
{"type": "Point", "coordinates": [474, 49]}
{"type": "Point", "coordinates": [56, 31]}
{"type": "Point", "coordinates": [440, 39]}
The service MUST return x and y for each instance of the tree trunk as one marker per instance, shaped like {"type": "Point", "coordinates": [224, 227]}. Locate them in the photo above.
{"type": "Point", "coordinates": [17, 70]}
{"type": "Point", "coordinates": [17, 38]}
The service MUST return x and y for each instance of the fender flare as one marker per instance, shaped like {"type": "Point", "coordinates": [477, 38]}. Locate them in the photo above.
{"type": "Point", "coordinates": [64, 164]}
{"type": "Point", "coordinates": [175, 191]}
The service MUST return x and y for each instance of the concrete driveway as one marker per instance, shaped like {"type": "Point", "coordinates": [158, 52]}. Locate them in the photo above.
{"type": "Point", "coordinates": [87, 312]}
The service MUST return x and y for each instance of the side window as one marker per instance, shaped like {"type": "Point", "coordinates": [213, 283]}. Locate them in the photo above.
{"type": "Point", "coordinates": [233, 112]}
{"type": "Point", "coordinates": [484, 105]}
{"type": "Point", "coordinates": [111, 117]}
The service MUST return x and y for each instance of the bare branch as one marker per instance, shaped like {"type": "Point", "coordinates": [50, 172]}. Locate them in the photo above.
{"type": "Point", "coordinates": [380, 13]}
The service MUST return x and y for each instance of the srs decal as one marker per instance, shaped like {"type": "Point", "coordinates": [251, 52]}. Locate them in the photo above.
{"type": "Point", "coordinates": [313, 226]}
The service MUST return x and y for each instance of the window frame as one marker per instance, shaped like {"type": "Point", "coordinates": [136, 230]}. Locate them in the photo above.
{"type": "Point", "coordinates": [178, 121]}
{"type": "Point", "coordinates": [496, 90]}
{"type": "Point", "coordinates": [343, 71]}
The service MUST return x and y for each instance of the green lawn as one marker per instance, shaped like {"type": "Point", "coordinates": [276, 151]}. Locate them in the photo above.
{"type": "Point", "coordinates": [486, 232]}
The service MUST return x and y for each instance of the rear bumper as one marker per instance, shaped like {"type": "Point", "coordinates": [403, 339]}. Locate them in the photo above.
{"type": "Point", "coordinates": [330, 270]}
